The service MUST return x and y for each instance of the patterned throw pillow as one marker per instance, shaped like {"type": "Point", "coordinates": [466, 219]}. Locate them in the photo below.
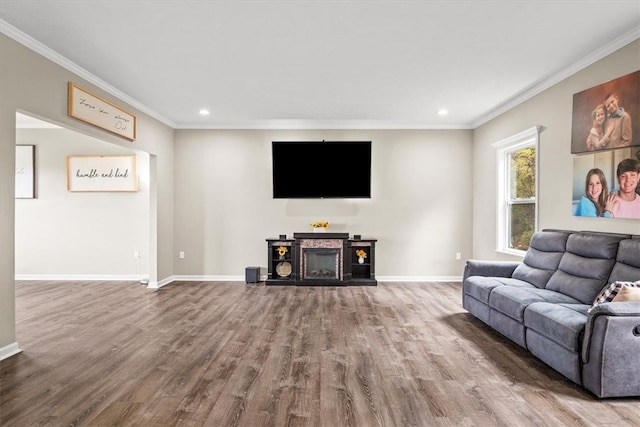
{"type": "Point", "coordinates": [611, 291]}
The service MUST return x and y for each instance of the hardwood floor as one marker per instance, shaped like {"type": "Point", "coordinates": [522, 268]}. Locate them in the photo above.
{"type": "Point", "coordinates": [235, 354]}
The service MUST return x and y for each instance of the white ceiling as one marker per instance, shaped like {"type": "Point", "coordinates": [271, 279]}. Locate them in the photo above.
{"type": "Point", "coordinates": [323, 64]}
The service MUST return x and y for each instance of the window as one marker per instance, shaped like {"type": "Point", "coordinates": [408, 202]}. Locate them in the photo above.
{"type": "Point", "coordinates": [517, 191]}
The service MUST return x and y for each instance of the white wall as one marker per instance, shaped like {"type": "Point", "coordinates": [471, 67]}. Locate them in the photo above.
{"type": "Point", "coordinates": [62, 234]}
{"type": "Point", "coordinates": [551, 109]}
{"type": "Point", "coordinates": [420, 209]}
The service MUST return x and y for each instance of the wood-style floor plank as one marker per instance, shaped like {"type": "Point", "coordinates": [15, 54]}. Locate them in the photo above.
{"type": "Point", "coordinates": [235, 354]}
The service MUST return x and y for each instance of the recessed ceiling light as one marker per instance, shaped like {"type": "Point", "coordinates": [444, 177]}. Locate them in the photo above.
{"type": "Point", "coordinates": [443, 112]}
{"type": "Point", "coordinates": [204, 112]}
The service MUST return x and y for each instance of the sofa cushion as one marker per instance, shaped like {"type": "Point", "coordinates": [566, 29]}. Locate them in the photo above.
{"type": "Point", "coordinates": [627, 266]}
{"type": "Point", "coordinates": [583, 289]}
{"type": "Point", "coordinates": [594, 244]}
{"type": "Point", "coordinates": [542, 258]}
{"type": "Point", "coordinates": [586, 265]}
{"type": "Point", "coordinates": [537, 267]}
{"type": "Point", "coordinates": [480, 287]}
{"type": "Point", "coordinates": [513, 301]}
{"type": "Point", "coordinates": [561, 323]}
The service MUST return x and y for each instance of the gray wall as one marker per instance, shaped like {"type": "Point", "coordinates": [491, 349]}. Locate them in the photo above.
{"type": "Point", "coordinates": [420, 209]}
{"type": "Point", "coordinates": [551, 109]}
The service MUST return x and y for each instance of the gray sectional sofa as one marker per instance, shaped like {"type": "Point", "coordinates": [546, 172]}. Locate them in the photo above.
{"type": "Point", "coordinates": [544, 302]}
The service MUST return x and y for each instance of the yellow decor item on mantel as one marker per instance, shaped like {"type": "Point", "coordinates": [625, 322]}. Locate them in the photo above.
{"type": "Point", "coordinates": [282, 250]}
{"type": "Point", "coordinates": [361, 253]}
{"type": "Point", "coordinates": [320, 226]}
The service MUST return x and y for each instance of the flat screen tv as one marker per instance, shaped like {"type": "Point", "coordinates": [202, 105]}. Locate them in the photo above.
{"type": "Point", "coordinates": [321, 169]}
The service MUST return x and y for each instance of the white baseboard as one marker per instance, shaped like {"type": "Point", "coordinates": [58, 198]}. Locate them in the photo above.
{"type": "Point", "coordinates": [419, 278]}
{"type": "Point", "coordinates": [197, 278]}
{"type": "Point", "coordinates": [154, 286]}
{"type": "Point", "coordinates": [207, 278]}
{"type": "Point", "coordinates": [9, 350]}
{"type": "Point", "coordinates": [82, 277]}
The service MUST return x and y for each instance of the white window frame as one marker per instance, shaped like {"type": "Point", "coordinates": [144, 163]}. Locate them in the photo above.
{"type": "Point", "coordinates": [504, 148]}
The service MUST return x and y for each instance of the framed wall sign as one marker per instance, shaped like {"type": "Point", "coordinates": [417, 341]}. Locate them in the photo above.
{"type": "Point", "coordinates": [94, 110]}
{"type": "Point", "coordinates": [25, 171]}
{"type": "Point", "coordinates": [102, 173]}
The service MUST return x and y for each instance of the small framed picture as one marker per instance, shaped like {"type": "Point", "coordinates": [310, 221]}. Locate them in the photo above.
{"type": "Point", "coordinates": [25, 171]}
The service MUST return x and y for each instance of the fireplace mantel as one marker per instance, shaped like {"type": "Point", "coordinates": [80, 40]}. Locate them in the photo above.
{"type": "Point", "coordinates": [320, 259]}
{"type": "Point", "coordinates": [321, 235]}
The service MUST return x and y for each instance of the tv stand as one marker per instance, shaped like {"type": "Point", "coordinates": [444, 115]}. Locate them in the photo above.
{"type": "Point", "coordinates": [321, 259]}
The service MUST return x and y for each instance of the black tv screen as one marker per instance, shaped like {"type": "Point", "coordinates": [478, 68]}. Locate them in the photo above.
{"type": "Point", "coordinates": [321, 169]}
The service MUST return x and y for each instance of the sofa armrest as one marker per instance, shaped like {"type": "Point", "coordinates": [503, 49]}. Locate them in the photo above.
{"type": "Point", "coordinates": [621, 309]}
{"type": "Point", "coordinates": [628, 308]}
{"type": "Point", "coordinates": [610, 350]}
{"type": "Point", "coordinates": [489, 268]}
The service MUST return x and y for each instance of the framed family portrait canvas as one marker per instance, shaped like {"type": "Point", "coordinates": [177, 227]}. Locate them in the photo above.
{"type": "Point", "coordinates": [606, 184]}
{"type": "Point", "coordinates": [605, 141]}
{"type": "Point", "coordinates": [25, 171]}
{"type": "Point", "coordinates": [607, 116]}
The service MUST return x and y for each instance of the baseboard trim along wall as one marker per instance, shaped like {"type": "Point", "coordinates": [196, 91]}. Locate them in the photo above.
{"type": "Point", "coordinates": [9, 350]}
{"type": "Point", "coordinates": [263, 277]}
{"type": "Point", "coordinates": [206, 278]}
{"type": "Point", "coordinates": [81, 277]}
{"type": "Point", "coordinates": [419, 278]}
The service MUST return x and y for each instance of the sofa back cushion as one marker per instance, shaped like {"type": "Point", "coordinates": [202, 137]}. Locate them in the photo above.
{"type": "Point", "coordinates": [542, 258]}
{"type": "Point", "coordinates": [627, 266]}
{"type": "Point", "coordinates": [586, 265]}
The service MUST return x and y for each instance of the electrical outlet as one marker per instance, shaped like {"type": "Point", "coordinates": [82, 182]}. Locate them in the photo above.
{"type": "Point", "coordinates": [458, 256]}
{"type": "Point", "coordinates": [136, 254]}
{"type": "Point", "coordinates": [181, 254]}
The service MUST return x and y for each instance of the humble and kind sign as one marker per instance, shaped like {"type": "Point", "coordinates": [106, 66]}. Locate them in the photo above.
{"type": "Point", "coordinates": [93, 173]}
{"type": "Point", "coordinates": [102, 173]}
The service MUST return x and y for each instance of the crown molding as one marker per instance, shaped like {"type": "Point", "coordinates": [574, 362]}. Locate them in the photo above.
{"type": "Point", "coordinates": [324, 125]}
{"type": "Point", "coordinates": [605, 50]}
{"type": "Point", "coordinates": [29, 42]}
{"type": "Point", "coordinates": [36, 46]}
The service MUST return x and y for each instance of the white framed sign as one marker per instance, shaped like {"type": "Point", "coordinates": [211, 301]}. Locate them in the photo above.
{"type": "Point", "coordinates": [102, 173]}
{"type": "Point", "coordinates": [25, 171]}
{"type": "Point", "coordinates": [94, 110]}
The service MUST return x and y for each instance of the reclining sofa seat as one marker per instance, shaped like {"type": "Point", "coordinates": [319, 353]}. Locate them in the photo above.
{"type": "Point", "coordinates": [542, 304]}
{"type": "Point", "coordinates": [539, 264]}
{"type": "Point", "coordinates": [611, 348]}
{"type": "Point", "coordinates": [554, 332]}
